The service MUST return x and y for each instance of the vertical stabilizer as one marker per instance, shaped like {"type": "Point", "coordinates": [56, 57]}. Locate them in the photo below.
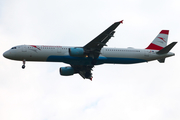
{"type": "Point", "coordinates": [160, 41]}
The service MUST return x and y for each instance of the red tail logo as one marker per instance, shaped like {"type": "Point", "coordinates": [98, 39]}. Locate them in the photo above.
{"type": "Point", "coordinates": [162, 39]}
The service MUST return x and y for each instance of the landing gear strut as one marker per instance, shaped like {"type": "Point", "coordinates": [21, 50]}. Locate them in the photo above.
{"type": "Point", "coordinates": [23, 66]}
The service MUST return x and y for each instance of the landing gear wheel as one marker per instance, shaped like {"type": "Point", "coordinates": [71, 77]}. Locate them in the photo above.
{"type": "Point", "coordinates": [23, 66]}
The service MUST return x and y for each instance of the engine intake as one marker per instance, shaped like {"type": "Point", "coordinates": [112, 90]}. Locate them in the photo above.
{"type": "Point", "coordinates": [76, 52]}
{"type": "Point", "coordinates": [66, 71]}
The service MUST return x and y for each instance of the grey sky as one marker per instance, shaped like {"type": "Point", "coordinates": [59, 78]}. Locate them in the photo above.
{"type": "Point", "coordinates": [140, 91]}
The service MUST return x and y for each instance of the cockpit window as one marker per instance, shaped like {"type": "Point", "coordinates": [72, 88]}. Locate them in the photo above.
{"type": "Point", "coordinates": [13, 48]}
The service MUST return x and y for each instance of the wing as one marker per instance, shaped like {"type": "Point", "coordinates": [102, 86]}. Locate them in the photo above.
{"type": "Point", "coordinates": [84, 71]}
{"type": "Point", "coordinates": [93, 48]}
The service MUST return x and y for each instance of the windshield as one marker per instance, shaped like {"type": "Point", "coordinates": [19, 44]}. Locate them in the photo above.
{"type": "Point", "coordinates": [13, 48]}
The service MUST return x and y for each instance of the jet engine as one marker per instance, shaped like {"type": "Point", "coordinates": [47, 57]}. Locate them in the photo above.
{"type": "Point", "coordinates": [76, 52]}
{"type": "Point", "coordinates": [66, 71]}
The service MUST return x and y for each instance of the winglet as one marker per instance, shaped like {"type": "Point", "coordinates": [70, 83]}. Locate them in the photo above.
{"type": "Point", "coordinates": [121, 21]}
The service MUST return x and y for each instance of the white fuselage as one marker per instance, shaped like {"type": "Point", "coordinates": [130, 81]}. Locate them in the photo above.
{"type": "Point", "coordinates": [61, 54]}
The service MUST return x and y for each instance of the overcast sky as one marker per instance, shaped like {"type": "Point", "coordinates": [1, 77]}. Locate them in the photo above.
{"type": "Point", "coordinates": [143, 91]}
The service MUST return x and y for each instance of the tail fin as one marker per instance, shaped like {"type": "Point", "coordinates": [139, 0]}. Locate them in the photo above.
{"type": "Point", "coordinates": [160, 41]}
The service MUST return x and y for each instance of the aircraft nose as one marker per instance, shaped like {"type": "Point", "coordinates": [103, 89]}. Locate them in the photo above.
{"type": "Point", "coordinates": [5, 54]}
{"type": "Point", "coordinates": [8, 55]}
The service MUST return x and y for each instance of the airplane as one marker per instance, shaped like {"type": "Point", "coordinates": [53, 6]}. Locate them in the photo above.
{"type": "Point", "coordinates": [83, 59]}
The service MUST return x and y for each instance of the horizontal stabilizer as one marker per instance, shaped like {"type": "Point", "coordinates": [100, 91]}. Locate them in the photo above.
{"type": "Point", "coordinates": [167, 48]}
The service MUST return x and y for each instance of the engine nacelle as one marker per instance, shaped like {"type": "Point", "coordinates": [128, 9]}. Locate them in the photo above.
{"type": "Point", "coordinates": [66, 71]}
{"type": "Point", "coordinates": [76, 52]}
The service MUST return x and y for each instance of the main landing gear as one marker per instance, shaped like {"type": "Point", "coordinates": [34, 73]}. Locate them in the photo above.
{"type": "Point", "coordinates": [23, 66]}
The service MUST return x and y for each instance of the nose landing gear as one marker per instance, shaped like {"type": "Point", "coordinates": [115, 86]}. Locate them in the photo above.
{"type": "Point", "coordinates": [23, 66]}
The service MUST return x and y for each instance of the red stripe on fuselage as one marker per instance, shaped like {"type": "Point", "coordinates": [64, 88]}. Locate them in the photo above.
{"type": "Point", "coordinates": [35, 47]}
{"type": "Point", "coordinates": [164, 32]}
{"type": "Point", "coordinates": [154, 47]}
